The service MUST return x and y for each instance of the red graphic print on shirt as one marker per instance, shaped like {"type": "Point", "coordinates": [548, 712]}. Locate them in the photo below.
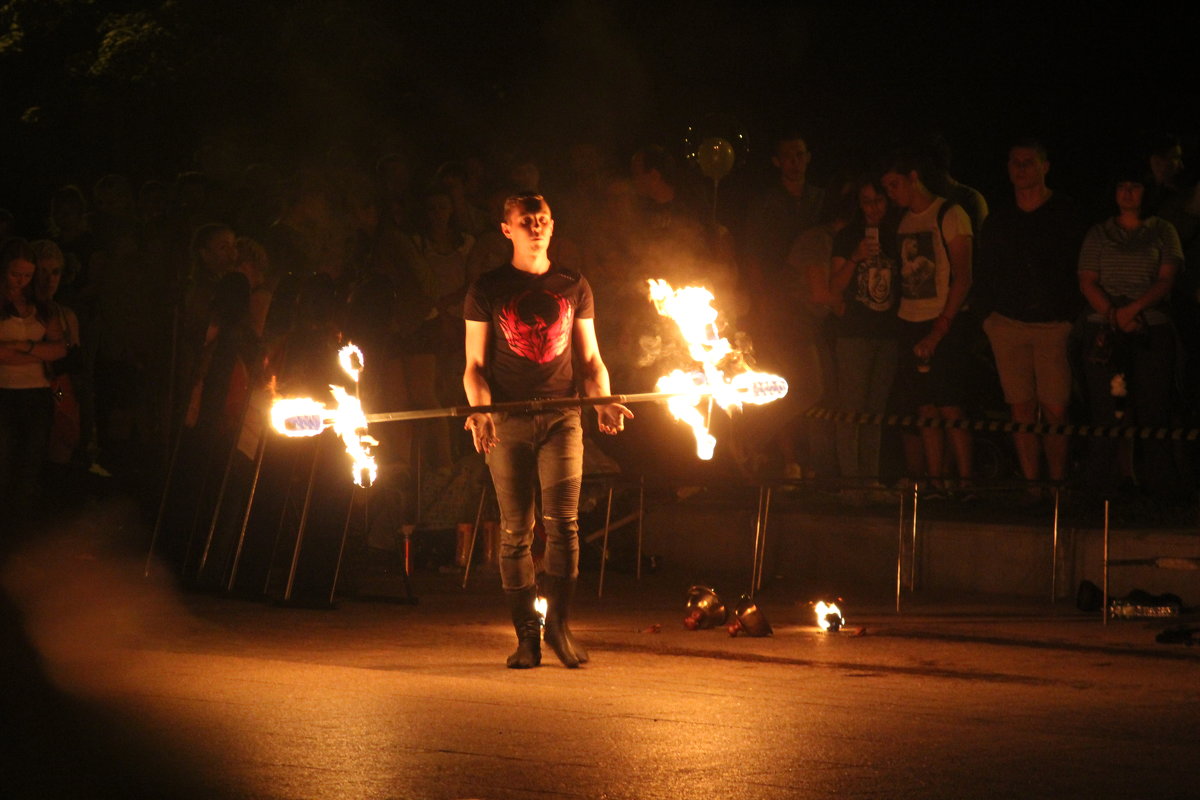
{"type": "Point", "coordinates": [537, 325]}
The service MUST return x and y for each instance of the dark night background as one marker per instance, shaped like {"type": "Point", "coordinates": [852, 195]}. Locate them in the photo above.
{"type": "Point", "coordinates": [89, 87]}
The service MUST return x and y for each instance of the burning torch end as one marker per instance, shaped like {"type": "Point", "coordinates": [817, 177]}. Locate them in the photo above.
{"type": "Point", "coordinates": [303, 425]}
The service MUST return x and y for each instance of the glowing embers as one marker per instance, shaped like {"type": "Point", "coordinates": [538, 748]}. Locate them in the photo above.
{"type": "Point", "coordinates": [303, 416]}
{"type": "Point", "coordinates": [829, 616]}
{"type": "Point", "coordinates": [722, 376]}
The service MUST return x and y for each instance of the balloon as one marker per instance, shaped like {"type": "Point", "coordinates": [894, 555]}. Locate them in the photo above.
{"type": "Point", "coordinates": [715, 156]}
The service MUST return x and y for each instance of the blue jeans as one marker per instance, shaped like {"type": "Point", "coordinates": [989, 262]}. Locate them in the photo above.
{"type": "Point", "coordinates": [546, 450]}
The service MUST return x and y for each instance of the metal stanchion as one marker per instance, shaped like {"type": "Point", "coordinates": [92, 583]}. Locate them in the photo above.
{"type": "Point", "coordinates": [900, 554]}
{"type": "Point", "coordinates": [912, 562]}
{"type": "Point", "coordinates": [162, 503]}
{"type": "Point", "coordinates": [474, 534]}
{"type": "Point", "coordinates": [758, 535]}
{"type": "Point", "coordinates": [762, 556]}
{"type": "Point", "coordinates": [312, 475]}
{"type": "Point", "coordinates": [641, 518]}
{"type": "Point", "coordinates": [220, 501]}
{"type": "Point", "coordinates": [604, 545]}
{"type": "Point", "coordinates": [1054, 551]}
{"type": "Point", "coordinates": [337, 566]}
{"type": "Point", "coordinates": [241, 541]}
{"type": "Point", "coordinates": [1104, 593]}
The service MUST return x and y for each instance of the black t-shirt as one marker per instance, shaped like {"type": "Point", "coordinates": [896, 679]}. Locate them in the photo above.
{"type": "Point", "coordinates": [532, 319]}
{"type": "Point", "coordinates": [1026, 262]}
{"type": "Point", "coordinates": [874, 287]}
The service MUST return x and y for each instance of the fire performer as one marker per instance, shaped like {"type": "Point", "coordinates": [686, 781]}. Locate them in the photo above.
{"type": "Point", "coordinates": [527, 324]}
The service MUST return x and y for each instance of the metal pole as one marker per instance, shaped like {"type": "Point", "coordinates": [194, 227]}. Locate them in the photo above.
{"type": "Point", "coordinates": [912, 563]}
{"type": "Point", "coordinates": [1054, 551]}
{"type": "Point", "coordinates": [641, 517]}
{"type": "Point", "coordinates": [1104, 595]}
{"type": "Point", "coordinates": [604, 546]}
{"type": "Point", "coordinates": [337, 566]}
{"type": "Point", "coordinates": [762, 556]}
{"type": "Point", "coordinates": [220, 501]}
{"type": "Point", "coordinates": [312, 477]}
{"type": "Point", "coordinates": [900, 554]}
{"type": "Point", "coordinates": [523, 406]}
{"type": "Point", "coordinates": [757, 538]}
{"type": "Point", "coordinates": [162, 503]}
{"type": "Point", "coordinates": [474, 533]}
{"type": "Point", "coordinates": [237, 554]}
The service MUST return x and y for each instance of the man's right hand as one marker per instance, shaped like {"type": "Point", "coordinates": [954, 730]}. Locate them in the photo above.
{"type": "Point", "coordinates": [483, 432]}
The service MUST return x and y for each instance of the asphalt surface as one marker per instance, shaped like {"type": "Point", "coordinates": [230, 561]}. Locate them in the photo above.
{"type": "Point", "coordinates": [118, 685]}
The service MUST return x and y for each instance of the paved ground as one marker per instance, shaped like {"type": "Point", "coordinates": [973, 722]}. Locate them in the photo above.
{"type": "Point", "coordinates": [119, 686]}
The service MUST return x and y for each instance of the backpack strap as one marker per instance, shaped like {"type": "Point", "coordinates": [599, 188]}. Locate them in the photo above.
{"type": "Point", "coordinates": [947, 204]}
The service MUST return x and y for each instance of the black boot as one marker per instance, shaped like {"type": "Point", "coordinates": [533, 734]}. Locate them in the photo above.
{"type": "Point", "coordinates": [528, 626]}
{"type": "Point", "coordinates": [559, 594]}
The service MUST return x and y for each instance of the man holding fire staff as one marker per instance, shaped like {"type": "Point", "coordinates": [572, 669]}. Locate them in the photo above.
{"type": "Point", "coordinates": [528, 324]}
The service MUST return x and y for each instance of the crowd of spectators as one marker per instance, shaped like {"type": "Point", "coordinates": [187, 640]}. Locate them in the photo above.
{"type": "Point", "coordinates": [140, 312]}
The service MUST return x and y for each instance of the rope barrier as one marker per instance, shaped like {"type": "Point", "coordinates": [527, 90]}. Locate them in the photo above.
{"type": "Point", "coordinates": [998, 426]}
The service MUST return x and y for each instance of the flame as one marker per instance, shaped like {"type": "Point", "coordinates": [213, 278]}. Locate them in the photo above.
{"type": "Point", "coordinates": [828, 614]}
{"type": "Point", "coordinates": [692, 310]}
{"type": "Point", "coordinates": [303, 416]}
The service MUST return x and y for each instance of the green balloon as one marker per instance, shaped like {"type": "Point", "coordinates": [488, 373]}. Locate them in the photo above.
{"type": "Point", "coordinates": [716, 157]}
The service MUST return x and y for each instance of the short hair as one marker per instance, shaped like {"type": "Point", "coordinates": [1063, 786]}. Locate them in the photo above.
{"type": "Point", "coordinates": [788, 135]}
{"type": "Point", "coordinates": [904, 161]}
{"type": "Point", "coordinates": [1031, 143]}
{"type": "Point", "coordinates": [204, 235]}
{"type": "Point", "coordinates": [520, 200]}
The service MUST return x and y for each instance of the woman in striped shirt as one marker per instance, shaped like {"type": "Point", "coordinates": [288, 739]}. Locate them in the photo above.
{"type": "Point", "coordinates": [1127, 267]}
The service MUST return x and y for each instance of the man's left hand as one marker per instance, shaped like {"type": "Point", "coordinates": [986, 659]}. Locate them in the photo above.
{"type": "Point", "coordinates": [612, 418]}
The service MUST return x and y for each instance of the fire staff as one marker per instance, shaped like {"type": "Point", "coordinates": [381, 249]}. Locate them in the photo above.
{"type": "Point", "coordinates": [527, 324]}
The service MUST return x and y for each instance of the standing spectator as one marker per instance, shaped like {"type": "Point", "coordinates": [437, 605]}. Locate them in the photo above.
{"type": "Point", "coordinates": [1165, 192]}
{"type": "Point", "coordinates": [1127, 267]}
{"type": "Point", "coordinates": [865, 284]}
{"type": "Point", "coordinates": [941, 182]}
{"type": "Point", "coordinates": [68, 225]}
{"type": "Point", "coordinates": [214, 253]}
{"type": "Point", "coordinates": [66, 432]}
{"type": "Point", "coordinates": [934, 240]}
{"type": "Point", "coordinates": [789, 207]}
{"type": "Point", "coordinates": [1025, 277]}
{"type": "Point", "coordinates": [30, 336]}
{"type": "Point", "coordinates": [806, 354]}
{"type": "Point", "coordinates": [252, 261]}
